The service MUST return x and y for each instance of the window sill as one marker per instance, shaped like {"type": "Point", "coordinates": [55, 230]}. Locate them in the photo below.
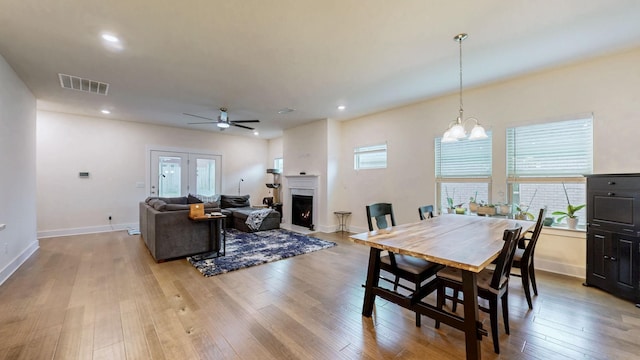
{"type": "Point", "coordinates": [562, 230]}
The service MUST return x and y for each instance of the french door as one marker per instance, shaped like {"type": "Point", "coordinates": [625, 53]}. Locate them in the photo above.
{"type": "Point", "coordinates": [174, 173]}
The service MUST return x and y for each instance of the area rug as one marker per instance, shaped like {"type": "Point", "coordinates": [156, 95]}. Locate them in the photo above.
{"type": "Point", "coordinates": [251, 249]}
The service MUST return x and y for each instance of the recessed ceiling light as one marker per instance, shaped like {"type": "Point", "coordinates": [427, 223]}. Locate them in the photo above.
{"type": "Point", "coordinates": [111, 42]}
{"type": "Point", "coordinates": [256, 133]}
{"type": "Point", "coordinates": [105, 111]}
{"type": "Point", "coordinates": [110, 38]}
{"type": "Point", "coordinates": [341, 107]}
{"type": "Point", "coordinates": [286, 110]}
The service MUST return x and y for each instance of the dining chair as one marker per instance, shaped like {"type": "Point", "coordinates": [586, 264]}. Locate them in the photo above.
{"type": "Point", "coordinates": [523, 258]}
{"type": "Point", "coordinates": [409, 268]}
{"type": "Point", "coordinates": [425, 212]}
{"type": "Point", "coordinates": [491, 285]}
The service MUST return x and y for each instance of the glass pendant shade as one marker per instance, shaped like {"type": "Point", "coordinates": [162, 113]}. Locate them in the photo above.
{"type": "Point", "coordinates": [478, 133]}
{"type": "Point", "coordinates": [457, 131]}
{"type": "Point", "coordinates": [223, 125]}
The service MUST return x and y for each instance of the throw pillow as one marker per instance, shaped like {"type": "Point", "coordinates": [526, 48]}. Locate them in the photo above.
{"type": "Point", "coordinates": [231, 201]}
{"type": "Point", "coordinates": [193, 200]}
{"type": "Point", "coordinates": [160, 205]}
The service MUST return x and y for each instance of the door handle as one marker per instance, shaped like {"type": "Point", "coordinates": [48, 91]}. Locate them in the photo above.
{"type": "Point", "coordinates": [611, 194]}
{"type": "Point", "coordinates": [606, 257]}
{"type": "Point", "coordinates": [611, 182]}
{"type": "Point", "coordinates": [613, 259]}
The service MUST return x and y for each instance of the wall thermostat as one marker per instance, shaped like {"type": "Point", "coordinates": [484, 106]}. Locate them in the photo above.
{"type": "Point", "coordinates": [83, 174]}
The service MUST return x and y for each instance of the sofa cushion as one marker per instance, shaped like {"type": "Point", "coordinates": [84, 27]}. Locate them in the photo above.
{"type": "Point", "coordinates": [175, 200]}
{"type": "Point", "coordinates": [176, 207]}
{"type": "Point", "coordinates": [193, 200]}
{"type": "Point", "coordinates": [234, 201]}
{"type": "Point", "coordinates": [159, 205]}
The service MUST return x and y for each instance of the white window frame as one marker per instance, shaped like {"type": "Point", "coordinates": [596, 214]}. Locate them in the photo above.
{"type": "Point", "coordinates": [479, 177]}
{"type": "Point", "coordinates": [553, 177]}
{"type": "Point", "coordinates": [361, 153]}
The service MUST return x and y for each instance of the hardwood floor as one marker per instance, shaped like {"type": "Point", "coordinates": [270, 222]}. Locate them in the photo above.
{"type": "Point", "coordinates": [101, 296]}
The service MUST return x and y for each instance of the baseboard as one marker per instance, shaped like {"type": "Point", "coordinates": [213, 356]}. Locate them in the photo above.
{"type": "Point", "coordinates": [86, 230]}
{"type": "Point", "coordinates": [18, 261]}
{"type": "Point", "coordinates": [560, 268]}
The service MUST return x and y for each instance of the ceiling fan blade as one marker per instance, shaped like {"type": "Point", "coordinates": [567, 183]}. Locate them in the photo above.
{"type": "Point", "coordinates": [205, 122]}
{"type": "Point", "coordinates": [245, 121]}
{"type": "Point", "coordinates": [201, 117]}
{"type": "Point", "coordinates": [242, 126]}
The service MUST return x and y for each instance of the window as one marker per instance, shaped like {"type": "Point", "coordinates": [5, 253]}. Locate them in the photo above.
{"type": "Point", "coordinates": [278, 163]}
{"type": "Point", "coordinates": [463, 170]}
{"type": "Point", "coordinates": [543, 157]}
{"type": "Point", "coordinates": [370, 157]}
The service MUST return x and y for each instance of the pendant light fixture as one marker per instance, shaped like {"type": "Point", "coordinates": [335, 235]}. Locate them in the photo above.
{"type": "Point", "coordinates": [456, 129]}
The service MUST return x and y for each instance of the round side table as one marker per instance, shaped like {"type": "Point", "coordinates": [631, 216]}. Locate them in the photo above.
{"type": "Point", "coordinates": [342, 220]}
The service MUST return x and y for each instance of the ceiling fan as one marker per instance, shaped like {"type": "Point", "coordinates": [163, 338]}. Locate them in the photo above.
{"type": "Point", "coordinates": [223, 121]}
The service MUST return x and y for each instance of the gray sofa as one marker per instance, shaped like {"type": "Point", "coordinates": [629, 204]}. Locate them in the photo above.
{"type": "Point", "coordinates": [237, 208]}
{"type": "Point", "coordinates": [167, 230]}
{"type": "Point", "coordinates": [169, 233]}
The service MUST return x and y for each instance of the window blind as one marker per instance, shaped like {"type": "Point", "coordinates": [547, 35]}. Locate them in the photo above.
{"type": "Point", "coordinates": [463, 158]}
{"type": "Point", "coordinates": [556, 149]}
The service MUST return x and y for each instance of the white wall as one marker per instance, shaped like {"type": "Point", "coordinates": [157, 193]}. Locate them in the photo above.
{"type": "Point", "coordinates": [607, 87]}
{"type": "Point", "coordinates": [113, 152]}
{"type": "Point", "coordinates": [17, 171]}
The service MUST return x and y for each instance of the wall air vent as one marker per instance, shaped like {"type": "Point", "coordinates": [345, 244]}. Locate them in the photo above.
{"type": "Point", "coordinates": [86, 85]}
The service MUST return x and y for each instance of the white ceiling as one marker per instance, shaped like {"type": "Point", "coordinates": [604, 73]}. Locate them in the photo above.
{"type": "Point", "coordinates": [258, 56]}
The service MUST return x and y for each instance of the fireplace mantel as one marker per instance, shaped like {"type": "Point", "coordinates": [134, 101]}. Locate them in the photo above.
{"type": "Point", "coordinates": [302, 181]}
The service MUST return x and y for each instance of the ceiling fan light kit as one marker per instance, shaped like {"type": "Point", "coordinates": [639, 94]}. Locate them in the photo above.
{"type": "Point", "coordinates": [223, 121]}
{"type": "Point", "coordinates": [456, 129]}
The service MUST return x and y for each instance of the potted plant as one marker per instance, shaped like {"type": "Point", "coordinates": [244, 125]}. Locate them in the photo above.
{"type": "Point", "coordinates": [473, 205]}
{"type": "Point", "coordinates": [486, 209]}
{"type": "Point", "coordinates": [522, 211]}
{"type": "Point", "coordinates": [572, 219]}
{"type": "Point", "coordinates": [450, 206]}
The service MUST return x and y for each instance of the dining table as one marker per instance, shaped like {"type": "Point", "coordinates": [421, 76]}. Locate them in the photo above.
{"type": "Point", "coordinates": [468, 243]}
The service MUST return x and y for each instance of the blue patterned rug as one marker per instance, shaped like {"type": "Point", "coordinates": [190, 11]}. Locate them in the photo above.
{"type": "Point", "coordinates": [251, 249]}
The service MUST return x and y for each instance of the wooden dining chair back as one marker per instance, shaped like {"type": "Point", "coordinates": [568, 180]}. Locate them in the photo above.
{"type": "Point", "coordinates": [523, 258]}
{"type": "Point", "coordinates": [380, 212]}
{"type": "Point", "coordinates": [492, 285]}
{"type": "Point", "coordinates": [425, 212]}
{"type": "Point", "coordinates": [409, 268]}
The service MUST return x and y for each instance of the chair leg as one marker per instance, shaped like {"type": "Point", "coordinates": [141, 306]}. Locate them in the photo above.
{"type": "Point", "coordinates": [493, 315]}
{"type": "Point", "coordinates": [395, 283]}
{"type": "Point", "coordinates": [505, 311]}
{"type": "Point", "coordinates": [532, 273]}
{"type": "Point", "coordinates": [525, 285]}
{"type": "Point", "coordinates": [439, 301]}
{"type": "Point", "coordinates": [456, 293]}
{"type": "Point", "coordinates": [418, 317]}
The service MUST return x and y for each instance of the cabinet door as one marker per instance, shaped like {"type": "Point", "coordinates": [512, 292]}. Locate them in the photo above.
{"type": "Point", "coordinates": [624, 264]}
{"type": "Point", "coordinates": [598, 248]}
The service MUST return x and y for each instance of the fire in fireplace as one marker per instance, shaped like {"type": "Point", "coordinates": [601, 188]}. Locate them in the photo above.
{"type": "Point", "coordinates": [302, 211]}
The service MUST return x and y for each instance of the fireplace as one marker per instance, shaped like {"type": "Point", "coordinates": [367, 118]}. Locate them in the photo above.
{"type": "Point", "coordinates": [303, 188]}
{"type": "Point", "coordinates": [302, 210]}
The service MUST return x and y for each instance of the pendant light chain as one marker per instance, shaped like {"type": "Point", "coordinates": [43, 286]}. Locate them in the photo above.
{"type": "Point", "coordinates": [460, 43]}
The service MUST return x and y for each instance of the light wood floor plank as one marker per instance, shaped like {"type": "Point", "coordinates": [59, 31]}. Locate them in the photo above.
{"type": "Point", "coordinates": [101, 296]}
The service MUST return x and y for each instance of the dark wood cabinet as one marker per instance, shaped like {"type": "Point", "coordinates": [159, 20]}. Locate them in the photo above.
{"type": "Point", "coordinates": [613, 234]}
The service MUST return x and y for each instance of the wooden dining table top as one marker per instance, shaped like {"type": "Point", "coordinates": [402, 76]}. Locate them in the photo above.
{"type": "Point", "coordinates": [464, 242]}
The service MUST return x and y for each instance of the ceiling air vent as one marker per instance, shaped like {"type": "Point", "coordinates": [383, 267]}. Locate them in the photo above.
{"type": "Point", "coordinates": [80, 84]}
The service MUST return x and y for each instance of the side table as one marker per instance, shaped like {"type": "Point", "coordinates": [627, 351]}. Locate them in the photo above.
{"type": "Point", "coordinates": [342, 219]}
{"type": "Point", "coordinates": [216, 228]}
